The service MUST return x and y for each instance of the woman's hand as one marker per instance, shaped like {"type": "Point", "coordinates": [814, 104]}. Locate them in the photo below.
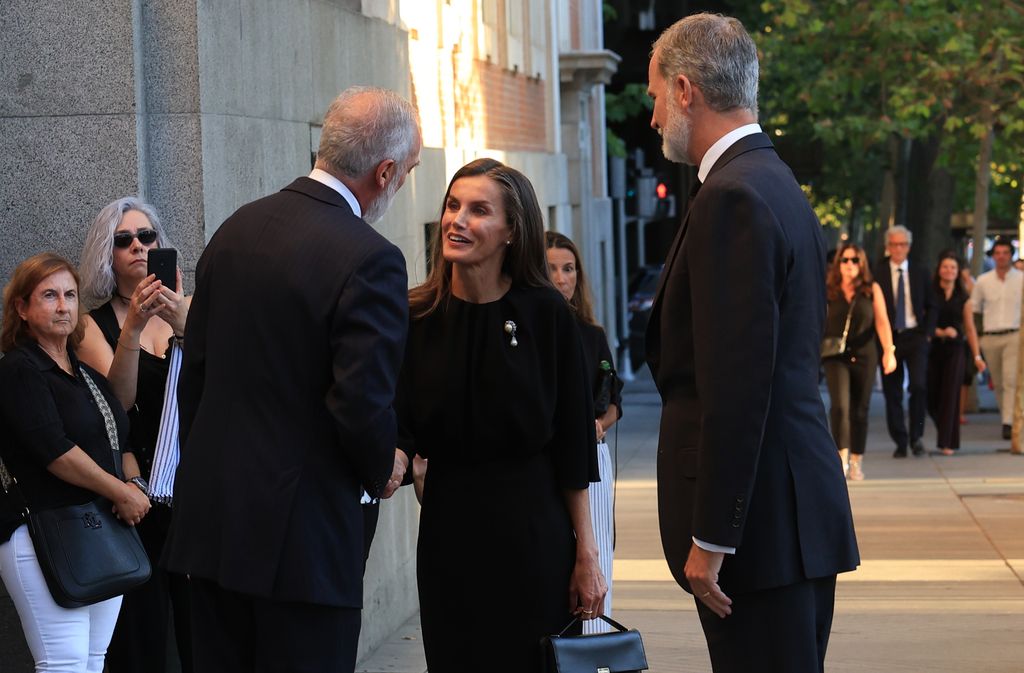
{"type": "Point", "coordinates": [142, 305]}
{"type": "Point", "coordinates": [131, 505]}
{"type": "Point", "coordinates": [980, 364]}
{"type": "Point", "coordinates": [173, 307]}
{"type": "Point", "coordinates": [889, 362]}
{"type": "Point", "coordinates": [587, 586]}
{"type": "Point", "coordinates": [600, 429]}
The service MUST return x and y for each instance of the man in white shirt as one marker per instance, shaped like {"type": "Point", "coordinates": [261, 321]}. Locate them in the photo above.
{"type": "Point", "coordinates": [911, 304]}
{"type": "Point", "coordinates": [997, 296]}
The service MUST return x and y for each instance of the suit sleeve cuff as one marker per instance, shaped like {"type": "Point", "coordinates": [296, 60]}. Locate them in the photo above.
{"type": "Point", "coordinates": [707, 546]}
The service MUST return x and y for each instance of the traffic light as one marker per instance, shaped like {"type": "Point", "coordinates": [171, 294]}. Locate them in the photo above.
{"type": "Point", "coordinates": [666, 204]}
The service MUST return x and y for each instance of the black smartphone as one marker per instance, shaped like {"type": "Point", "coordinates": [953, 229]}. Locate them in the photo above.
{"type": "Point", "coordinates": [164, 263]}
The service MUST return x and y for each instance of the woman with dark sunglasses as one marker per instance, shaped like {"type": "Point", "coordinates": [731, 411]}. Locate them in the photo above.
{"type": "Point", "coordinates": [856, 314]}
{"type": "Point", "coordinates": [129, 330]}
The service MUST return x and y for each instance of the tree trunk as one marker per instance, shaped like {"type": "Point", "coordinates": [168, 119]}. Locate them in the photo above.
{"type": "Point", "coordinates": [887, 203]}
{"type": "Point", "coordinates": [982, 177]}
{"type": "Point", "coordinates": [918, 204]}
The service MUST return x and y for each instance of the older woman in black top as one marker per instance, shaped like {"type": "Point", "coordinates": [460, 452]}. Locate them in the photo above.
{"type": "Point", "coordinates": [854, 299]}
{"type": "Point", "coordinates": [490, 395]}
{"type": "Point", "coordinates": [128, 334]}
{"type": "Point", "coordinates": [946, 357]}
{"type": "Point", "coordinates": [55, 443]}
{"type": "Point", "coordinates": [566, 271]}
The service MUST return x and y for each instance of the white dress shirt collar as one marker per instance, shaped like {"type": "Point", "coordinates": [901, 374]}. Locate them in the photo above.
{"type": "Point", "coordinates": [903, 265]}
{"type": "Point", "coordinates": [721, 145]}
{"type": "Point", "coordinates": [337, 185]}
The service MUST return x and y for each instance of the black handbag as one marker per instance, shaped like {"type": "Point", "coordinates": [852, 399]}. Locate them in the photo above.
{"type": "Point", "coordinates": [835, 347]}
{"type": "Point", "coordinates": [85, 553]}
{"type": "Point", "coordinates": [621, 651]}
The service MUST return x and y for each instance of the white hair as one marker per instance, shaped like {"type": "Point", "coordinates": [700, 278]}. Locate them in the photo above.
{"type": "Point", "coordinates": [365, 126]}
{"type": "Point", "coordinates": [97, 263]}
{"type": "Point", "coordinates": [899, 229]}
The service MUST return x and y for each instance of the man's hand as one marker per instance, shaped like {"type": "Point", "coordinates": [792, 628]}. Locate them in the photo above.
{"type": "Point", "coordinates": [701, 571]}
{"type": "Point", "coordinates": [397, 474]}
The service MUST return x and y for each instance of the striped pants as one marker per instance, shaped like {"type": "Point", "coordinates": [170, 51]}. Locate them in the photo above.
{"type": "Point", "coordinates": [601, 508]}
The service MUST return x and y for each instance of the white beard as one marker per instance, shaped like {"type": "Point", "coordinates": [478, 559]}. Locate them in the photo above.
{"type": "Point", "coordinates": [376, 209]}
{"type": "Point", "coordinates": [675, 137]}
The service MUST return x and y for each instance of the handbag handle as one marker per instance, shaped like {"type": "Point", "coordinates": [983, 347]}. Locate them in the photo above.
{"type": "Point", "coordinates": [846, 328]}
{"type": "Point", "coordinates": [611, 622]}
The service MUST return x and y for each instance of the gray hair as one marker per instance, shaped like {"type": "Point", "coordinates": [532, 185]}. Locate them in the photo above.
{"type": "Point", "coordinates": [97, 263]}
{"type": "Point", "coordinates": [365, 126]}
{"type": "Point", "coordinates": [899, 229]}
{"type": "Point", "coordinates": [717, 54]}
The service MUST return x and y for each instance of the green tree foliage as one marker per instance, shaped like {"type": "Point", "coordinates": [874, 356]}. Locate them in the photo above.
{"type": "Point", "coordinates": [861, 76]}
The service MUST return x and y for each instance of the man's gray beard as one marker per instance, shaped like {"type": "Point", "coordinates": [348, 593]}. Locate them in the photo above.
{"type": "Point", "coordinates": [380, 205]}
{"type": "Point", "coordinates": [675, 137]}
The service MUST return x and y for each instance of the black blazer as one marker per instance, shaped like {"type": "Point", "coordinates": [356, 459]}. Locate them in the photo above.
{"type": "Point", "coordinates": [745, 458]}
{"type": "Point", "coordinates": [292, 350]}
{"type": "Point", "coordinates": [922, 296]}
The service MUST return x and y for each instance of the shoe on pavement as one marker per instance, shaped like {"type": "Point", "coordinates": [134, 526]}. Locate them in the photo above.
{"type": "Point", "coordinates": [1007, 431]}
{"type": "Point", "coordinates": [856, 473]}
{"type": "Point", "coordinates": [900, 452]}
{"type": "Point", "coordinates": [947, 452]}
{"type": "Point", "coordinates": [917, 447]}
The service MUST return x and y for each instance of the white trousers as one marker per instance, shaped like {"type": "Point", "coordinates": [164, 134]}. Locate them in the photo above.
{"type": "Point", "coordinates": [1000, 352]}
{"type": "Point", "coordinates": [61, 640]}
{"type": "Point", "coordinates": [601, 509]}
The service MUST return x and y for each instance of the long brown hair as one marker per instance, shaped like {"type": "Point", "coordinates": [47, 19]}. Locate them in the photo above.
{"type": "Point", "coordinates": [27, 276]}
{"type": "Point", "coordinates": [834, 280]}
{"type": "Point", "coordinates": [525, 262]}
{"type": "Point", "coordinates": [581, 301]}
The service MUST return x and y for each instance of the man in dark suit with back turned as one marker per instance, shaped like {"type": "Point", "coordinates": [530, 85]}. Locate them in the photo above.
{"type": "Point", "coordinates": [754, 512]}
{"type": "Point", "coordinates": [292, 350]}
{"type": "Point", "coordinates": [913, 314]}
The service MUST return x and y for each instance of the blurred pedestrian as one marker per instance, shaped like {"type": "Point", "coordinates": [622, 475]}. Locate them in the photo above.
{"type": "Point", "coordinates": [491, 397]}
{"type": "Point", "coordinates": [955, 326]}
{"type": "Point", "coordinates": [566, 270]}
{"type": "Point", "coordinates": [755, 515]}
{"type": "Point", "coordinates": [856, 316]}
{"type": "Point", "coordinates": [62, 427]}
{"type": "Point", "coordinates": [129, 334]}
{"type": "Point", "coordinates": [910, 302]}
{"type": "Point", "coordinates": [970, 373]}
{"type": "Point", "coordinates": [997, 296]}
{"type": "Point", "coordinates": [292, 350]}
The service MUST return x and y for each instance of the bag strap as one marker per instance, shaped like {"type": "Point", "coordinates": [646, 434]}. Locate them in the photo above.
{"type": "Point", "coordinates": [846, 328]}
{"type": "Point", "coordinates": [108, 420]}
{"type": "Point", "coordinates": [611, 622]}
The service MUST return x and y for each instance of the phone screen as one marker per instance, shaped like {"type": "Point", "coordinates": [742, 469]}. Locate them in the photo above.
{"type": "Point", "coordinates": [164, 263]}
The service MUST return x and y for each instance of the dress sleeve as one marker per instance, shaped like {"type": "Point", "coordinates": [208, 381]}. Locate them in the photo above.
{"type": "Point", "coordinates": [30, 412]}
{"type": "Point", "coordinates": [575, 439]}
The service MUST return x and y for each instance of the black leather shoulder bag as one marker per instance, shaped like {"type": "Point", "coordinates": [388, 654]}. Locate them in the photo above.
{"type": "Point", "coordinates": [620, 651]}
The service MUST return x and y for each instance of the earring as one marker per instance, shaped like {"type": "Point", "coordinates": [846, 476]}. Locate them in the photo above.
{"type": "Point", "coordinates": [510, 329]}
{"type": "Point", "coordinates": [509, 242]}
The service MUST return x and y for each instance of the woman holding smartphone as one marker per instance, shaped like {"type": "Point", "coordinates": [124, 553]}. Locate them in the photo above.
{"type": "Point", "coordinates": [134, 319]}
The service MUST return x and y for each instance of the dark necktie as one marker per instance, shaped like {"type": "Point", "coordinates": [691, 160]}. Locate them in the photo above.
{"type": "Point", "coordinates": [901, 303]}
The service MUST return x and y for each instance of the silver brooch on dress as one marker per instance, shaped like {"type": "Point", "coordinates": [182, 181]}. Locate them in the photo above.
{"type": "Point", "coordinates": [510, 329]}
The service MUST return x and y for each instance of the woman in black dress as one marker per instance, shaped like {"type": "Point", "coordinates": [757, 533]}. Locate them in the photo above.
{"type": "Point", "coordinates": [567, 274]}
{"type": "Point", "coordinates": [490, 395]}
{"type": "Point", "coordinates": [946, 357]}
{"type": "Point", "coordinates": [128, 334]}
{"type": "Point", "coordinates": [853, 295]}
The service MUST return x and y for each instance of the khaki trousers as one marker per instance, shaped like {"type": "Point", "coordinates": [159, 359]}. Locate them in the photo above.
{"type": "Point", "coordinates": [1000, 351]}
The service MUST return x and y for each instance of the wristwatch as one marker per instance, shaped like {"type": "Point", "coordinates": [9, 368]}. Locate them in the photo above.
{"type": "Point", "coordinates": [141, 483]}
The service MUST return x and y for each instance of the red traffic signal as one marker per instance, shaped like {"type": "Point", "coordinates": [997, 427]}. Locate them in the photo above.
{"type": "Point", "coordinates": [661, 190]}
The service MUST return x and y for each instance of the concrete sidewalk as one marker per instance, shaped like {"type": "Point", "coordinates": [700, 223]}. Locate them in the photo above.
{"type": "Point", "coordinates": [941, 587]}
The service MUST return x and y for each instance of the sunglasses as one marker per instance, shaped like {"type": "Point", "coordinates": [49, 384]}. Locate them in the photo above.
{"type": "Point", "coordinates": [123, 239]}
{"type": "Point", "coordinates": [844, 260]}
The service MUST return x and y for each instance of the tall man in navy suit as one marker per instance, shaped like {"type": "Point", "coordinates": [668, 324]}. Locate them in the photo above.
{"type": "Point", "coordinates": [755, 516]}
{"type": "Point", "coordinates": [913, 314]}
{"type": "Point", "coordinates": [292, 350]}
